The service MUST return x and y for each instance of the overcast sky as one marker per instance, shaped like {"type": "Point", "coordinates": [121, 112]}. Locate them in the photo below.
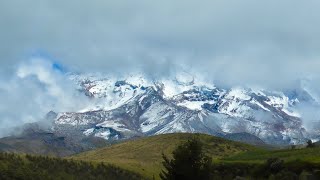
{"type": "Point", "coordinates": [269, 43]}
{"type": "Point", "coordinates": [247, 41]}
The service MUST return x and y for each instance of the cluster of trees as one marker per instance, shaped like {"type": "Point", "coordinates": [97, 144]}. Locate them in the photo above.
{"type": "Point", "coordinates": [14, 166]}
{"type": "Point", "coordinates": [190, 162]}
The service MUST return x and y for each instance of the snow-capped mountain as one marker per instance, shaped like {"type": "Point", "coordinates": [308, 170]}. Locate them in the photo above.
{"type": "Point", "coordinates": [137, 106]}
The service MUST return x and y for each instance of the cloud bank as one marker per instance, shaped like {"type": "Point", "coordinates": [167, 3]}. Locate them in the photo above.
{"type": "Point", "coordinates": [256, 42]}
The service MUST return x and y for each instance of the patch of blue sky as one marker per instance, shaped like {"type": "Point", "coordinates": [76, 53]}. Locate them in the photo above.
{"type": "Point", "coordinates": [45, 56]}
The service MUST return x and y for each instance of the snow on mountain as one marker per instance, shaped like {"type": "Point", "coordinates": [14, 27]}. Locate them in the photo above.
{"type": "Point", "coordinates": [109, 92]}
{"type": "Point", "coordinates": [135, 105]}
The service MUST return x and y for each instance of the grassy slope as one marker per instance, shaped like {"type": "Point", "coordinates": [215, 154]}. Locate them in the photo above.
{"type": "Point", "coordinates": [144, 155]}
{"type": "Point", "coordinates": [17, 166]}
{"type": "Point", "coordinates": [310, 155]}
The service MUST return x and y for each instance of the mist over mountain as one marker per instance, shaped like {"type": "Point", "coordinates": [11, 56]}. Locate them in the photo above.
{"type": "Point", "coordinates": [251, 65]}
{"type": "Point", "coordinates": [120, 106]}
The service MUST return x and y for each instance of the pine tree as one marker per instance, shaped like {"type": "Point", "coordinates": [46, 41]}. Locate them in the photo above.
{"type": "Point", "coordinates": [189, 162]}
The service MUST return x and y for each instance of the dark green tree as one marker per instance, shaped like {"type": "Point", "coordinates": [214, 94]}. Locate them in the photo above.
{"type": "Point", "coordinates": [310, 144]}
{"type": "Point", "coordinates": [188, 162]}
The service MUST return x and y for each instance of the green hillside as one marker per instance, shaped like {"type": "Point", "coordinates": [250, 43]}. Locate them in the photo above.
{"type": "Point", "coordinates": [142, 157]}
{"type": "Point", "coordinates": [145, 155]}
{"type": "Point", "coordinates": [310, 155]}
{"type": "Point", "coordinates": [15, 166]}
{"type": "Point", "coordinates": [276, 164]}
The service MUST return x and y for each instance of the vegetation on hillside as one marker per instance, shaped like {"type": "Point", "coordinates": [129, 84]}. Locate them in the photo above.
{"type": "Point", "coordinates": [230, 159]}
{"type": "Point", "coordinates": [144, 155]}
{"type": "Point", "coordinates": [190, 162]}
{"type": "Point", "coordinates": [311, 155]}
{"type": "Point", "coordinates": [148, 157]}
{"type": "Point", "coordinates": [276, 164]}
{"type": "Point", "coordinates": [13, 166]}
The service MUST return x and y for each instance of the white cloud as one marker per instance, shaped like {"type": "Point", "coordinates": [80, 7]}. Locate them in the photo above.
{"type": "Point", "coordinates": [35, 89]}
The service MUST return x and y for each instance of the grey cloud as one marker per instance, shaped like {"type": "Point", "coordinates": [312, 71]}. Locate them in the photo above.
{"type": "Point", "coordinates": [270, 43]}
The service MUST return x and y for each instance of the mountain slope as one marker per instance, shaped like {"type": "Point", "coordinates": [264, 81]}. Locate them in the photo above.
{"type": "Point", "coordinates": [145, 155]}
{"type": "Point", "coordinates": [245, 138]}
{"type": "Point", "coordinates": [136, 106]}
{"type": "Point", "coordinates": [35, 140]}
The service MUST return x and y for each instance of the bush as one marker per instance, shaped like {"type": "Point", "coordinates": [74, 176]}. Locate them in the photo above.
{"type": "Point", "coordinates": [274, 165]}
